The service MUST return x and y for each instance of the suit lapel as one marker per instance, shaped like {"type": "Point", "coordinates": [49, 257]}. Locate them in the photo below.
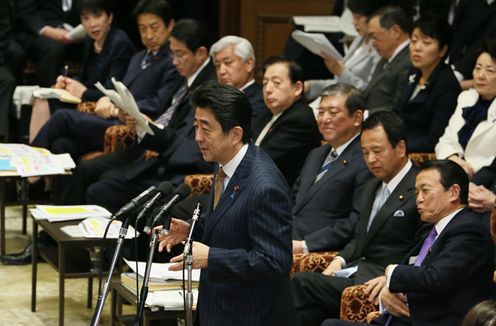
{"type": "Point", "coordinates": [396, 200]}
{"type": "Point", "coordinates": [232, 192]}
{"type": "Point", "coordinates": [313, 169]}
{"type": "Point", "coordinates": [135, 71]}
{"type": "Point", "coordinates": [336, 168]}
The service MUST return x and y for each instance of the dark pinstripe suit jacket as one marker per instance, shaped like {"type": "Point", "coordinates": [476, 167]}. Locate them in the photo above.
{"type": "Point", "coordinates": [249, 235]}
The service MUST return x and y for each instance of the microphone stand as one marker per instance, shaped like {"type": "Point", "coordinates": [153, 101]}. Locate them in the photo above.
{"type": "Point", "coordinates": [146, 279]}
{"type": "Point", "coordinates": [188, 256]}
{"type": "Point", "coordinates": [106, 287]}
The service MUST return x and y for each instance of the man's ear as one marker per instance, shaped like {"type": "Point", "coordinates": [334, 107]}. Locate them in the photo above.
{"type": "Point", "coordinates": [202, 52]}
{"type": "Point", "coordinates": [401, 146]}
{"type": "Point", "coordinates": [170, 26]}
{"type": "Point", "coordinates": [237, 134]}
{"type": "Point", "coordinates": [250, 65]}
{"type": "Point", "coordinates": [298, 88]}
{"type": "Point", "coordinates": [454, 193]}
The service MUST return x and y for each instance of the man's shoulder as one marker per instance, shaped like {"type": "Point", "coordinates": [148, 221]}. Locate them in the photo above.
{"type": "Point", "coordinates": [263, 169]}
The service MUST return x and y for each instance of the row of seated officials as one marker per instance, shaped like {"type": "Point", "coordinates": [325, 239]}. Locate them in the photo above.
{"type": "Point", "coordinates": [354, 194]}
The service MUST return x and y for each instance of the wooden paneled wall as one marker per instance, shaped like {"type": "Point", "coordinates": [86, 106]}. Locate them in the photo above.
{"type": "Point", "coordinates": [266, 23]}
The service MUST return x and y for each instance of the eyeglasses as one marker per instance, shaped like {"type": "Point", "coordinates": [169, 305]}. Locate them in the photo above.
{"type": "Point", "coordinates": [179, 56]}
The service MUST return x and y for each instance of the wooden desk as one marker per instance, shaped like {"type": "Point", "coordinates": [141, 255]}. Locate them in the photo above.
{"type": "Point", "coordinates": [70, 258]}
{"type": "Point", "coordinates": [23, 199]}
{"type": "Point", "coordinates": [119, 292]}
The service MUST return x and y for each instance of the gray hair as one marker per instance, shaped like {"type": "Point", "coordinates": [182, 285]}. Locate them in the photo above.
{"type": "Point", "coordinates": [242, 47]}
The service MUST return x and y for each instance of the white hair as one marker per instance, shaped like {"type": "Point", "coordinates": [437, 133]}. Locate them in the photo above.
{"type": "Point", "coordinates": [242, 47]}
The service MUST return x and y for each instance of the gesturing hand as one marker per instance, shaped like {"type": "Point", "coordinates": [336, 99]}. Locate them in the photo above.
{"type": "Point", "coordinates": [200, 257]}
{"type": "Point", "coordinates": [178, 232]}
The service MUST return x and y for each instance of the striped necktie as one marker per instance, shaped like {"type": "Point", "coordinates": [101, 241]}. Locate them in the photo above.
{"type": "Point", "coordinates": [176, 100]}
{"type": "Point", "coordinates": [330, 158]}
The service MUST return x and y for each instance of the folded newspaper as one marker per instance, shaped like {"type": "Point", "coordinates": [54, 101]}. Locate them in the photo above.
{"type": "Point", "coordinates": [317, 43]}
{"type": "Point", "coordinates": [124, 100]}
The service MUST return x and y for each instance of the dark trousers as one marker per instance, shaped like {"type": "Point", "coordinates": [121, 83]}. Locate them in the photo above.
{"type": "Point", "coordinates": [48, 55]}
{"type": "Point", "coordinates": [7, 85]}
{"type": "Point", "coordinates": [317, 296]}
{"type": "Point", "coordinates": [73, 132]}
{"type": "Point", "coordinates": [72, 191]}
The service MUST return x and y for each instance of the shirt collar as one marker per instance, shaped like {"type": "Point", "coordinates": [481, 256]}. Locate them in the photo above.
{"type": "Point", "coordinates": [340, 149]}
{"type": "Point", "coordinates": [442, 223]}
{"type": "Point", "coordinates": [395, 181]}
{"type": "Point", "coordinates": [193, 77]}
{"type": "Point", "coordinates": [230, 167]}
{"type": "Point", "coordinates": [248, 84]}
{"type": "Point", "coordinates": [398, 49]}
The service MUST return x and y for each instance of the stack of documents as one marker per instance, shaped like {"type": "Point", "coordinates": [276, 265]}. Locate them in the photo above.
{"type": "Point", "coordinates": [164, 285]}
{"type": "Point", "coordinates": [328, 24]}
{"type": "Point", "coordinates": [67, 213]}
{"type": "Point", "coordinates": [94, 227]}
{"type": "Point", "coordinates": [33, 161]}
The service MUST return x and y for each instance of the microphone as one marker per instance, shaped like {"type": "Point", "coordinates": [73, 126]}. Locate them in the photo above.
{"type": "Point", "coordinates": [182, 191]}
{"type": "Point", "coordinates": [136, 201]}
{"type": "Point", "coordinates": [164, 189]}
{"type": "Point", "coordinates": [189, 240]}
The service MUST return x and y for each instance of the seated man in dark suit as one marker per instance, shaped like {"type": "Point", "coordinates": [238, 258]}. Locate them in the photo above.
{"type": "Point", "coordinates": [452, 267]}
{"type": "Point", "coordinates": [385, 230]}
{"type": "Point", "coordinates": [389, 28]}
{"type": "Point", "coordinates": [174, 132]}
{"type": "Point", "coordinates": [290, 132]}
{"type": "Point", "coordinates": [322, 222]}
{"type": "Point", "coordinates": [234, 61]}
{"type": "Point", "coordinates": [148, 77]}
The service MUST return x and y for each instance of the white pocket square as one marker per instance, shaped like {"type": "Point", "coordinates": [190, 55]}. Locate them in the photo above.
{"type": "Point", "coordinates": [399, 213]}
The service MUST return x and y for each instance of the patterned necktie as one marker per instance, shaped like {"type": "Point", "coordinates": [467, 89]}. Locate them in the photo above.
{"type": "Point", "coordinates": [219, 185]}
{"type": "Point", "coordinates": [66, 5]}
{"type": "Point", "coordinates": [331, 157]}
{"type": "Point", "coordinates": [147, 60]}
{"type": "Point", "coordinates": [176, 99]}
{"type": "Point", "coordinates": [378, 203]}
{"type": "Point", "coordinates": [426, 246]}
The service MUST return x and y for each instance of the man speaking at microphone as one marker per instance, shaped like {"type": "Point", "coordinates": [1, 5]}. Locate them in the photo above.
{"type": "Point", "coordinates": [243, 242]}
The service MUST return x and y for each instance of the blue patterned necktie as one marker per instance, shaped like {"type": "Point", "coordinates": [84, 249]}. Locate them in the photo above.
{"type": "Point", "coordinates": [330, 158]}
{"type": "Point", "coordinates": [176, 99]}
{"type": "Point", "coordinates": [147, 60]}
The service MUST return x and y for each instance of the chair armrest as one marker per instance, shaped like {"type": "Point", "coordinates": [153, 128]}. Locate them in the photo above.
{"type": "Point", "coordinates": [419, 157]}
{"type": "Point", "coordinates": [355, 305]}
{"type": "Point", "coordinates": [117, 138]}
{"type": "Point", "coordinates": [199, 183]}
{"type": "Point", "coordinates": [312, 262]}
{"type": "Point", "coordinates": [86, 107]}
